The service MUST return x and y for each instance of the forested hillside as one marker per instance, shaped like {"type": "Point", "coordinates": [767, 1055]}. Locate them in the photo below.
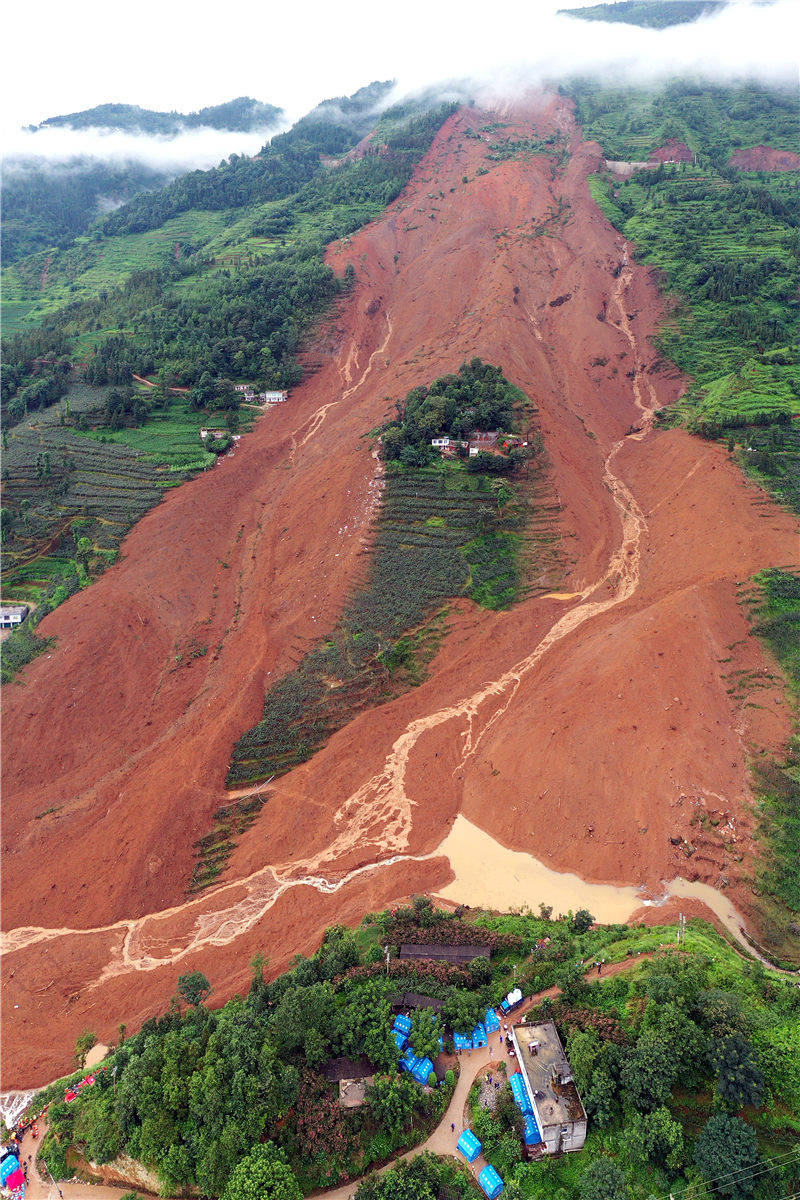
{"type": "Point", "coordinates": [236, 305]}
{"type": "Point", "coordinates": [244, 113]}
{"type": "Point", "coordinates": [46, 204]}
{"type": "Point", "coordinates": [726, 243]}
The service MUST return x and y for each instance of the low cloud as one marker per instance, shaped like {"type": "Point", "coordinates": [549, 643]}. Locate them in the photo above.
{"type": "Point", "coordinates": [745, 40]}
{"type": "Point", "coordinates": [193, 148]}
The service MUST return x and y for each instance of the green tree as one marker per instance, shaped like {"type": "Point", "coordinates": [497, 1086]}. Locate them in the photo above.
{"type": "Point", "coordinates": [603, 1180]}
{"type": "Point", "coordinates": [727, 1150]}
{"type": "Point", "coordinates": [263, 1174]}
{"type": "Point", "coordinates": [426, 1029]}
{"type": "Point", "coordinates": [193, 987]}
{"type": "Point", "coordinates": [656, 1137]}
{"type": "Point", "coordinates": [739, 1079]}
{"type": "Point", "coordinates": [391, 1100]}
{"type": "Point", "coordinates": [650, 1071]}
{"type": "Point", "coordinates": [582, 922]}
{"type": "Point", "coordinates": [83, 1045]}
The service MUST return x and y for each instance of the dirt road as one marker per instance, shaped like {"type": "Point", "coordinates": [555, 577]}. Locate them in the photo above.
{"type": "Point", "coordinates": [599, 732]}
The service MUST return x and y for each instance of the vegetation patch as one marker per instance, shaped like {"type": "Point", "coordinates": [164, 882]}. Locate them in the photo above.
{"type": "Point", "coordinates": [214, 849]}
{"type": "Point", "coordinates": [443, 530]}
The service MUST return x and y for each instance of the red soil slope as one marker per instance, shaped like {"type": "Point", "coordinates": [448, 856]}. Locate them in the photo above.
{"type": "Point", "coordinates": [590, 730]}
{"type": "Point", "coordinates": [765, 158]}
{"type": "Point", "coordinates": [671, 151]}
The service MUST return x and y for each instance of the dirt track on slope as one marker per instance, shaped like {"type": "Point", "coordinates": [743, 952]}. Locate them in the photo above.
{"type": "Point", "coordinates": [588, 731]}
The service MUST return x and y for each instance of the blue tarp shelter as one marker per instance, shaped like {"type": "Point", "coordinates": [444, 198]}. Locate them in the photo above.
{"type": "Point", "coordinates": [403, 1024]}
{"type": "Point", "coordinates": [469, 1145]}
{"type": "Point", "coordinates": [400, 1039]}
{"type": "Point", "coordinates": [441, 1044]}
{"type": "Point", "coordinates": [491, 1021]}
{"type": "Point", "coordinates": [461, 1041]}
{"type": "Point", "coordinates": [422, 1069]}
{"type": "Point", "coordinates": [531, 1133]}
{"type": "Point", "coordinates": [478, 1036]}
{"type": "Point", "coordinates": [491, 1182]}
{"type": "Point", "coordinates": [408, 1060]}
{"type": "Point", "coordinates": [520, 1093]}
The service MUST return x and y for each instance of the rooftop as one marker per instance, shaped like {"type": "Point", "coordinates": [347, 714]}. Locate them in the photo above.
{"type": "Point", "coordinates": [454, 954]}
{"type": "Point", "coordinates": [545, 1065]}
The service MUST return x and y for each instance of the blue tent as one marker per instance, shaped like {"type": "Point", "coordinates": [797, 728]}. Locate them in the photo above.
{"type": "Point", "coordinates": [400, 1039]}
{"type": "Point", "coordinates": [462, 1041]}
{"type": "Point", "coordinates": [403, 1024]}
{"type": "Point", "coordinates": [9, 1165]}
{"type": "Point", "coordinates": [478, 1036]}
{"type": "Point", "coordinates": [422, 1069]}
{"type": "Point", "coordinates": [408, 1061]}
{"type": "Point", "coordinates": [491, 1182]}
{"type": "Point", "coordinates": [491, 1022]}
{"type": "Point", "coordinates": [520, 1092]}
{"type": "Point", "coordinates": [469, 1145]}
{"type": "Point", "coordinates": [530, 1130]}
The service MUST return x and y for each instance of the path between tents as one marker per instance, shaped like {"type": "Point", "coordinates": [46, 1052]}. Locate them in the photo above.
{"type": "Point", "coordinates": [442, 1141]}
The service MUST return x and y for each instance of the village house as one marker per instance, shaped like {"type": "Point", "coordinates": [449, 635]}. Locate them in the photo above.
{"type": "Point", "coordinates": [12, 615]}
{"type": "Point", "coordinates": [245, 390]}
{"type": "Point", "coordinates": [550, 1087]}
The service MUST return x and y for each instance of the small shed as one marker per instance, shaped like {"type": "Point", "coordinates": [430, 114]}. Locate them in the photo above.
{"type": "Point", "coordinates": [417, 1000]}
{"type": "Point", "coordinates": [491, 1021]}
{"type": "Point", "coordinates": [408, 1059]}
{"type": "Point", "coordinates": [520, 1093]}
{"type": "Point", "coordinates": [469, 1145]}
{"type": "Point", "coordinates": [491, 1182]}
{"type": "Point", "coordinates": [402, 1024]}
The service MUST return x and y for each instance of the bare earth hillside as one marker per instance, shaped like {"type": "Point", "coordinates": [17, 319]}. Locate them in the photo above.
{"type": "Point", "coordinates": [589, 729]}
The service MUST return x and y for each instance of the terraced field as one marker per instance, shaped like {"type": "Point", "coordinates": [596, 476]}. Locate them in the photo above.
{"type": "Point", "coordinates": [60, 485]}
{"type": "Point", "coordinates": [441, 533]}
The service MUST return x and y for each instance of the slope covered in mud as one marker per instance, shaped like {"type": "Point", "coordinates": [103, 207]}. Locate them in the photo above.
{"type": "Point", "coordinates": [595, 729]}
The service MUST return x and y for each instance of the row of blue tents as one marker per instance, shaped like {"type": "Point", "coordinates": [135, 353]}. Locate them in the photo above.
{"type": "Point", "coordinates": [532, 1134]}
{"type": "Point", "coordinates": [480, 1034]}
{"type": "Point", "coordinates": [469, 1145]}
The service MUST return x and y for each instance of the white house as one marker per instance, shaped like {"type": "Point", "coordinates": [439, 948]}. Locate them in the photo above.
{"type": "Point", "coordinates": [440, 443]}
{"type": "Point", "coordinates": [12, 615]}
{"type": "Point", "coordinates": [551, 1088]}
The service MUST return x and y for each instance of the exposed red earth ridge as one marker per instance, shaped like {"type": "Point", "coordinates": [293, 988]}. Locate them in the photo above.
{"type": "Point", "coordinates": [589, 731]}
{"type": "Point", "coordinates": [765, 158]}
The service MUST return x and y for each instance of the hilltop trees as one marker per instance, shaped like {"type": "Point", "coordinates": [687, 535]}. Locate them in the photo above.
{"type": "Point", "coordinates": [263, 1174]}
{"type": "Point", "coordinates": [727, 1152]}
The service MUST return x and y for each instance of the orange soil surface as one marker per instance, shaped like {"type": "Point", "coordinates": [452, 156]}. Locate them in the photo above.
{"type": "Point", "coordinates": [592, 728]}
{"type": "Point", "coordinates": [765, 158]}
{"type": "Point", "coordinates": [671, 151]}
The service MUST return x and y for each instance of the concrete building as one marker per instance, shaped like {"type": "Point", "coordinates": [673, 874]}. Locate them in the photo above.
{"type": "Point", "coordinates": [551, 1089]}
{"type": "Point", "coordinates": [12, 615]}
